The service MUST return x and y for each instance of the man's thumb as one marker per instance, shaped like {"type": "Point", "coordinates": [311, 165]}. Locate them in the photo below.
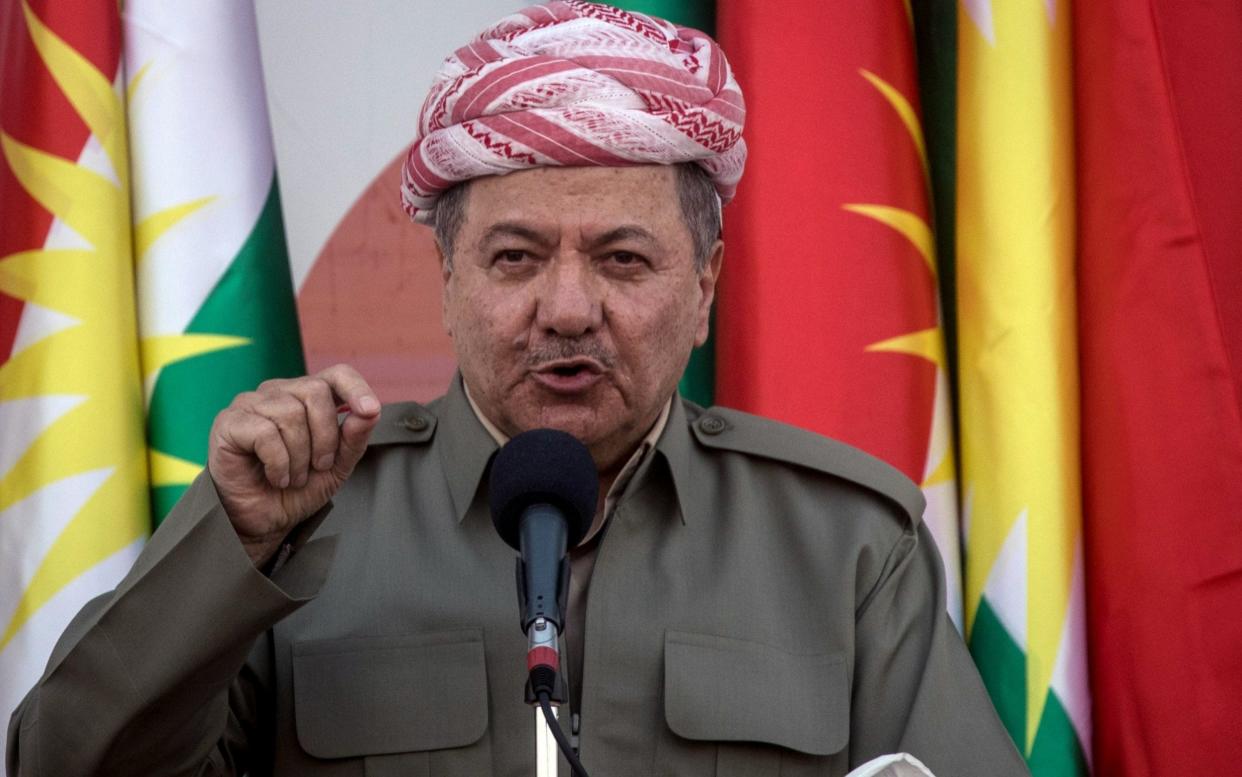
{"type": "Point", "coordinates": [355, 431]}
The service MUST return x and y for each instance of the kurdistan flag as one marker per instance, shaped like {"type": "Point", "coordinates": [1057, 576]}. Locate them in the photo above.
{"type": "Point", "coordinates": [828, 299]}
{"type": "Point", "coordinates": [1018, 376]}
{"type": "Point", "coordinates": [215, 297]}
{"type": "Point", "coordinates": [73, 469]}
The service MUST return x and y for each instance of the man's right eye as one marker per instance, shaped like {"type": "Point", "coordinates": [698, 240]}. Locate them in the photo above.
{"type": "Point", "coordinates": [513, 256]}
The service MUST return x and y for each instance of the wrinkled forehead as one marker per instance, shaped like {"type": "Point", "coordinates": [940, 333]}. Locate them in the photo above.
{"type": "Point", "coordinates": [579, 190]}
{"type": "Point", "coordinates": [587, 202]}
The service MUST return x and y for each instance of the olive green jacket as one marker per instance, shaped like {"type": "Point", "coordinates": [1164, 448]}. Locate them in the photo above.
{"type": "Point", "coordinates": [764, 602]}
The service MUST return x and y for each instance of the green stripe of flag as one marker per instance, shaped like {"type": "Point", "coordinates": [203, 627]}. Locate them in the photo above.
{"type": "Point", "coordinates": [699, 14]}
{"type": "Point", "coordinates": [253, 299]}
{"type": "Point", "coordinates": [1056, 751]}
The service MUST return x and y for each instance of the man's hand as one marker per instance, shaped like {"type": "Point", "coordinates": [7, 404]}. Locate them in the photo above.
{"type": "Point", "coordinates": [277, 455]}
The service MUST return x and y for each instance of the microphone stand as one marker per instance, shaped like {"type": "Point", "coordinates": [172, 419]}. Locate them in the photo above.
{"type": "Point", "coordinates": [549, 736]}
{"type": "Point", "coordinates": [546, 688]}
{"type": "Point", "coordinates": [543, 640]}
{"type": "Point", "coordinates": [545, 745]}
{"type": "Point", "coordinates": [558, 734]}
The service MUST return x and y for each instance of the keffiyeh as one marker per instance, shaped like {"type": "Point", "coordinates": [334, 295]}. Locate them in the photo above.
{"type": "Point", "coordinates": [574, 83]}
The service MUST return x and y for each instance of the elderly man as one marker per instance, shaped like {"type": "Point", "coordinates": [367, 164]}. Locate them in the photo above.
{"type": "Point", "coordinates": [749, 600]}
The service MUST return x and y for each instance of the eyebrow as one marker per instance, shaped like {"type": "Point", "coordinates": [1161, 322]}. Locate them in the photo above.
{"type": "Point", "coordinates": [516, 229]}
{"type": "Point", "coordinates": [543, 240]}
{"type": "Point", "coordinates": [624, 232]}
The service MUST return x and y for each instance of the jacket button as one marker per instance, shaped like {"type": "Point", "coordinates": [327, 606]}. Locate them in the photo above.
{"type": "Point", "coordinates": [415, 423]}
{"type": "Point", "coordinates": [712, 424]}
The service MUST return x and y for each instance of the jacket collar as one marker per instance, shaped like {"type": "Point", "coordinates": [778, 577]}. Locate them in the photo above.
{"type": "Point", "coordinates": [466, 448]}
{"type": "Point", "coordinates": [676, 447]}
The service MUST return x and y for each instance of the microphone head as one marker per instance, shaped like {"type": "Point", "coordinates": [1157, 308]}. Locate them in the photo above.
{"type": "Point", "coordinates": [543, 466]}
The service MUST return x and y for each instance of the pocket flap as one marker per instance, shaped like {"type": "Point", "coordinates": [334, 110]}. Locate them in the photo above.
{"type": "Point", "coordinates": [373, 695]}
{"type": "Point", "coordinates": [732, 690]}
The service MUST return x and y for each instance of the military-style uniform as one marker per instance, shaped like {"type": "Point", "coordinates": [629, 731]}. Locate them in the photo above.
{"type": "Point", "coordinates": [764, 602]}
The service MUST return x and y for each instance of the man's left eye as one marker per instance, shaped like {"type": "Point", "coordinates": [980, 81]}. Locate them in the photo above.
{"type": "Point", "coordinates": [625, 258]}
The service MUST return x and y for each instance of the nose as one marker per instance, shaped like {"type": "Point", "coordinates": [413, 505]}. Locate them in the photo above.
{"type": "Point", "coordinates": [569, 302]}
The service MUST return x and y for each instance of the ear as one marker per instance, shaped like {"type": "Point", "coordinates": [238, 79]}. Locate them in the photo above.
{"type": "Point", "coordinates": [707, 292]}
{"type": "Point", "coordinates": [446, 283]}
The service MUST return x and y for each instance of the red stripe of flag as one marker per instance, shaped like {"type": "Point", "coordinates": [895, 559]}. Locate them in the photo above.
{"type": "Point", "coordinates": [35, 111]}
{"type": "Point", "coordinates": [808, 286]}
{"type": "Point", "coordinates": [1160, 304]}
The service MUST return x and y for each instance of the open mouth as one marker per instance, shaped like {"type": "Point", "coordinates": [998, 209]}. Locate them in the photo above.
{"type": "Point", "coordinates": [568, 368]}
{"type": "Point", "coordinates": [569, 375]}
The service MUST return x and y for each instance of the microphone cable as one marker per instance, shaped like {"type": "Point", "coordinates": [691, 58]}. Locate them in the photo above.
{"type": "Point", "coordinates": [559, 735]}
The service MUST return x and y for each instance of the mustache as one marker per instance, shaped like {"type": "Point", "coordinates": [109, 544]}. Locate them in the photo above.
{"type": "Point", "coordinates": [556, 349]}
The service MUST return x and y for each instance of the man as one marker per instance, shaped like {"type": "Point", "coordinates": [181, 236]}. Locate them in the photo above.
{"type": "Point", "coordinates": [330, 597]}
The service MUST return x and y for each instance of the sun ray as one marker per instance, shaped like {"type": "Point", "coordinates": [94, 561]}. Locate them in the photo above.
{"type": "Point", "coordinates": [135, 83]}
{"type": "Point", "coordinates": [945, 471]}
{"type": "Point", "coordinates": [15, 283]}
{"type": "Point", "coordinates": [927, 344]}
{"type": "Point", "coordinates": [162, 350]}
{"type": "Point", "coordinates": [90, 93]}
{"type": "Point", "coordinates": [32, 527]}
{"type": "Point", "coordinates": [68, 190]}
{"type": "Point", "coordinates": [168, 470]}
{"type": "Point", "coordinates": [25, 374]}
{"type": "Point", "coordinates": [21, 275]}
{"type": "Point", "coordinates": [57, 453]}
{"type": "Point", "coordinates": [150, 229]}
{"type": "Point", "coordinates": [905, 111]}
{"type": "Point", "coordinates": [102, 527]}
{"type": "Point", "coordinates": [909, 225]}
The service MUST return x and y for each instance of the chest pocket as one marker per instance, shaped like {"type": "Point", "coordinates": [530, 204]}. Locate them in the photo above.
{"type": "Point", "coordinates": [409, 705]}
{"type": "Point", "coordinates": [737, 707]}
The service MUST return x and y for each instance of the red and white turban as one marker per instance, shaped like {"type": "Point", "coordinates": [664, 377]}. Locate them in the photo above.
{"type": "Point", "coordinates": [574, 83]}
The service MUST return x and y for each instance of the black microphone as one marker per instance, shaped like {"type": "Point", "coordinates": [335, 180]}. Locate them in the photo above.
{"type": "Point", "coordinates": [543, 491]}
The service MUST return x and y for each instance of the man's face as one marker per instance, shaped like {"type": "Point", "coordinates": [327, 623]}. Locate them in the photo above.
{"type": "Point", "coordinates": [573, 301]}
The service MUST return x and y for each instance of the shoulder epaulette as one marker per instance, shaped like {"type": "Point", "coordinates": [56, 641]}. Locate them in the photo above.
{"type": "Point", "coordinates": [733, 430]}
{"type": "Point", "coordinates": [404, 423]}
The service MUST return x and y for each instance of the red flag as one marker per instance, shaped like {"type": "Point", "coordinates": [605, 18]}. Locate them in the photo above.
{"type": "Point", "coordinates": [1158, 85]}
{"type": "Point", "coordinates": [828, 316]}
{"type": "Point", "coordinates": [807, 284]}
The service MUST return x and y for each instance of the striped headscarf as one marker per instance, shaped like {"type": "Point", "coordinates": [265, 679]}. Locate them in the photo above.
{"type": "Point", "coordinates": [574, 83]}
